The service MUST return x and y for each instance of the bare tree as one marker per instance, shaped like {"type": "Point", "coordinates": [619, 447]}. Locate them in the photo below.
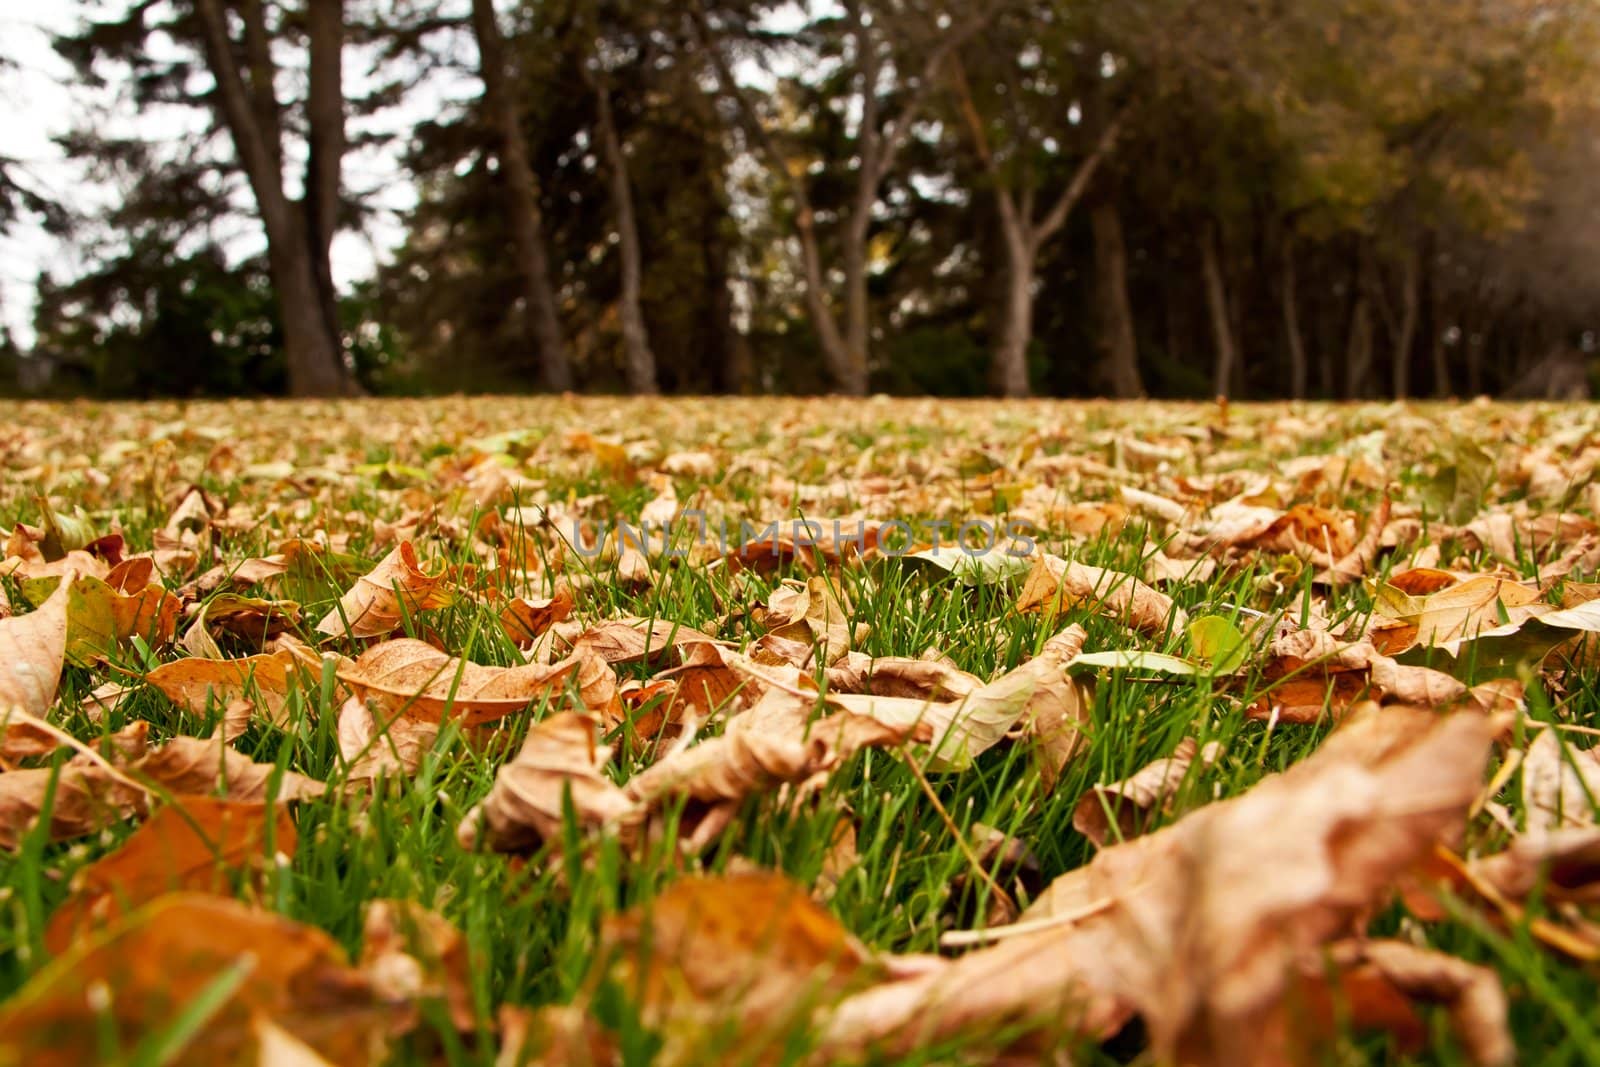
{"type": "Point", "coordinates": [639, 359]}
{"type": "Point", "coordinates": [1026, 231]}
{"type": "Point", "coordinates": [299, 234]}
{"type": "Point", "coordinates": [884, 129]}
{"type": "Point", "coordinates": [523, 214]}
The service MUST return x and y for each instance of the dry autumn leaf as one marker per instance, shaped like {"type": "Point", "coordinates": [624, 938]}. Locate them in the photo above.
{"type": "Point", "coordinates": [153, 964]}
{"type": "Point", "coordinates": [1056, 583]}
{"type": "Point", "coordinates": [416, 678]}
{"type": "Point", "coordinates": [381, 600]}
{"type": "Point", "coordinates": [195, 844]}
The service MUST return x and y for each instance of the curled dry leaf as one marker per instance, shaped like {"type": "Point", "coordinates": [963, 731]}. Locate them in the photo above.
{"type": "Point", "coordinates": [963, 729]}
{"type": "Point", "coordinates": [194, 844]}
{"type": "Point", "coordinates": [817, 613]}
{"type": "Point", "coordinates": [139, 977]}
{"type": "Point", "coordinates": [410, 954]}
{"type": "Point", "coordinates": [1560, 784]}
{"type": "Point", "coordinates": [382, 599]}
{"type": "Point", "coordinates": [526, 621]}
{"type": "Point", "coordinates": [33, 650]}
{"type": "Point", "coordinates": [635, 640]}
{"type": "Point", "coordinates": [1310, 674]}
{"type": "Point", "coordinates": [727, 963]}
{"type": "Point", "coordinates": [89, 793]}
{"type": "Point", "coordinates": [414, 677]}
{"type": "Point", "coordinates": [1058, 712]}
{"type": "Point", "coordinates": [374, 741]}
{"type": "Point", "coordinates": [197, 766]}
{"type": "Point", "coordinates": [1198, 927]}
{"type": "Point", "coordinates": [898, 676]}
{"type": "Point", "coordinates": [772, 744]}
{"type": "Point", "coordinates": [1055, 583]}
{"type": "Point", "coordinates": [1378, 985]}
{"type": "Point", "coordinates": [1128, 805]}
{"type": "Point", "coordinates": [266, 681]}
{"type": "Point", "coordinates": [523, 809]}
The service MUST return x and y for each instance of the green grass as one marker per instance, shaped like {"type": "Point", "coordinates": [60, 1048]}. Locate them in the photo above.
{"type": "Point", "coordinates": [531, 925]}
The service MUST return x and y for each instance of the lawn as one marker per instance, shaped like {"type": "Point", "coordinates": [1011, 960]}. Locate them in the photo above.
{"type": "Point", "coordinates": [596, 730]}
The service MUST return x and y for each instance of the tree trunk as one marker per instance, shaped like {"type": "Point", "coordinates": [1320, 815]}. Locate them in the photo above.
{"type": "Point", "coordinates": [1436, 345]}
{"type": "Point", "coordinates": [523, 216]}
{"type": "Point", "coordinates": [1410, 310]}
{"type": "Point", "coordinates": [1118, 371]}
{"type": "Point", "coordinates": [1010, 366]}
{"type": "Point", "coordinates": [641, 361]}
{"type": "Point", "coordinates": [297, 234]}
{"type": "Point", "coordinates": [1298, 367]}
{"type": "Point", "coordinates": [1358, 349]}
{"type": "Point", "coordinates": [835, 350]}
{"type": "Point", "coordinates": [857, 321]}
{"type": "Point", "coordinates": [1217, 306]}
{"type": "Point", "coordinates": [325, 144]}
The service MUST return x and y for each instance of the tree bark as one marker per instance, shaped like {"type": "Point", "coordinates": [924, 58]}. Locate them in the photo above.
{"type": "Point", "coordinates": [1436, 346]}
{"type": "Point", "coordinates": [1217, 306]}
{"type": "Point", "coordinates": [523, 215]}
{"type": "Point", "coordinates": [1118, 371]}
{"type": "Point", "coordinates": [298, 234]}
{"type": "Point", "coordinates": [641, 361]}
{"type": "Point", "coordinates": [1405, 333]}
{"type": "Point", "coordinates": [1010, 367]}
{"type": "Point", "coordinates": [325, 144]}
{"type": "Point", "coordinates": [1298, 366]}
{"type": "Point", "coordinates": [1358, 348]}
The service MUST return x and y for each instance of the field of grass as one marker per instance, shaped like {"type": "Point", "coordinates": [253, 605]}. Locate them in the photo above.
{"type": "Point", "coordinates": [850, 811]}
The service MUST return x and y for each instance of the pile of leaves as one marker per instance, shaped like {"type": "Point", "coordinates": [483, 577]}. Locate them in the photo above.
{"type": "Point", "coordinates": [591, 731]}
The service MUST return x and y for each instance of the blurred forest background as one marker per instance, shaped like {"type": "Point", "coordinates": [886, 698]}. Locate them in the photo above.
{"type": "Point", "coordinates": [1318, 198]}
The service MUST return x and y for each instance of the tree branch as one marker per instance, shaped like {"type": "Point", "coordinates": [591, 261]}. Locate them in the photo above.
{"type": "Point", "coordinates": [1079, 184]}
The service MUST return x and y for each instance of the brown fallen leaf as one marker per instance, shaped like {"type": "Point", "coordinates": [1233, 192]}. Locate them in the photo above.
{"type": "Point", "coordinates": [725, 963]}
{"type": "Point", "coordinates": [139, 976]}
{"type": "Point", "coordinates": [1199, 926]}
{"type": "Point", "coordinates": [526, 621]}
{"type": "Point", "coordinates": [774, 743]}
{"type": "Point", "coordinates": [523, 809]}
{"type": "Point", "coordinates": [89, 792]}
{"type": "Point", "coordinates": [414, 677]}
{"type": "Point", "coordinates": [1312, 674]}
{"type": "Point", "coordinates": [194, 844]}
{"type": "Point", "coordinates": [1059, 709]}
{"type": "Point", "coordinates": [899, 676]}
{"type": "Point", "coordinates": [634, 640]}
{"type": "Point", "coordinates": [265, 681]}
{"type": "Point", "coordinates": [963, 729]}
{"type": "Point", "coordinates": [375, 742]}
{"type": "Point", "coordinates": [33, 650]}
{"type": "Point", "coordinates": [1128, 805]}
{"type": "Point", "coordinates": [816, 614]}
{"type": "Point", "coordinates": [1560, 784]}
{"type": "Point", "coordinates": [1378, 985]}
{"type": "Point", "coordinates": [246, 619]}
{"type": "Point", "coordinates": [396, 589]}
{"type": "Point", "coordinates": [1055, 583]}
{"type": "Point", "coordinates": [198, 766]}
{"type": "Point", "coordinates": [410, 954]}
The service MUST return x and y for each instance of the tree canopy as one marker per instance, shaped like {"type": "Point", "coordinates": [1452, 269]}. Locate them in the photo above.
{"type": "Point", "coordinates": [1337, 198]}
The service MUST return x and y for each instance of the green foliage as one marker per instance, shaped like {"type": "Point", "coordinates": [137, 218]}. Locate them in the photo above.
{"type": "Point", "coordinates": [161, 322]}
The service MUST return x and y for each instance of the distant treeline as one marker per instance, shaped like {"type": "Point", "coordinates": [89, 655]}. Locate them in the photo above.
{"type": "Point", "coordinates": [1326, 198]}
